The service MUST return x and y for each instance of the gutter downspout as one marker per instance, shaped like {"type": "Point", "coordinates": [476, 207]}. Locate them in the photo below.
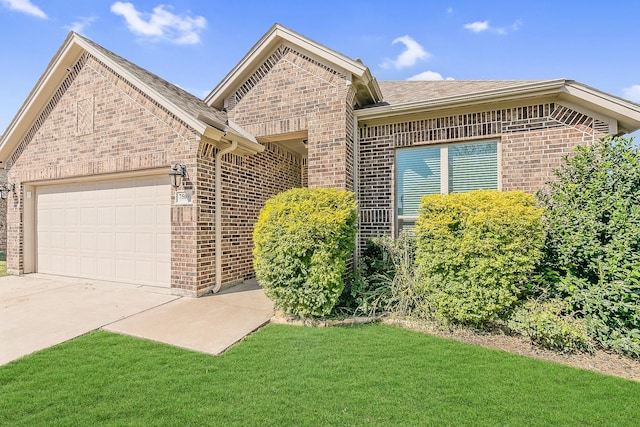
{"type": "Point", "coordinates": [218, 225]}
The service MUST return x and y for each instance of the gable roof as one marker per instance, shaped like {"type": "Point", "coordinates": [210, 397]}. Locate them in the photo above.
{"type": "Point", "coordinates": [367, 90]}
{"type": "Point", "coordinates": [205, 120]}
{"type": "Point", "coordinates": [407, 97]}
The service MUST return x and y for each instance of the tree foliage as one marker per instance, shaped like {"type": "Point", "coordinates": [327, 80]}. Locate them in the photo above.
{"type": "Point", "coordinates": [593, 215]}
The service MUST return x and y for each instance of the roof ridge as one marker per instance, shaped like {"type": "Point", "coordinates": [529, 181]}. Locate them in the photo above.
{"type": "Point", "coordinates": [183, 99]}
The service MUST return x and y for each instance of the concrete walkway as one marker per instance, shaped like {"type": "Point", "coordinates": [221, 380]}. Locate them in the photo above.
{"type": "Point", "coordinates": [38, 311]}
{"type": "Point", "coordinates": [208, 324]}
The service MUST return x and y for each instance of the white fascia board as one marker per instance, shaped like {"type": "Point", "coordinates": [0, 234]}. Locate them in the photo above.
{"type": "Point", "coordinates": [247, 143]}
{"type": "Point", "coordinates": [627, 113]}
{"type": "Point", "coordinates": [55, 73]}
{"type": "Point", "coordinates": [529, 90]}
{"type": "Point", "coordinates": [45, 87]}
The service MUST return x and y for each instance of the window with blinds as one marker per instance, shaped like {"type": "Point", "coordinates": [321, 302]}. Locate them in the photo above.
{"type": "Point", "coordinates": [451, 168]}
{"type": "Point", "coordinates": [473, 166]}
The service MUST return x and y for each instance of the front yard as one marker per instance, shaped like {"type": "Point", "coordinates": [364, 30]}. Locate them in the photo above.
{"type": "Point", "coordinates": [3, 264]}
{"type": "Point", "coordinates": [290, 375]}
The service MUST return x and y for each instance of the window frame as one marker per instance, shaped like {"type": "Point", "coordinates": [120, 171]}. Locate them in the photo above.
{"type": "Point", "coordinates": [444, 172]}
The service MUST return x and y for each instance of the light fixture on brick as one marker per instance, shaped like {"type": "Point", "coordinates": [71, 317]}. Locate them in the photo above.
{"type": "Point", "coordinates": [4, 190]}
{"type": "Point", "coordinates": [177, 172]}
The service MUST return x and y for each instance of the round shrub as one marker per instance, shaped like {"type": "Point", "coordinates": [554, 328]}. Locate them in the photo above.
{"type": "Point", "coordinates": [476, 252]}
{"type": "Point", "coordinates": [550, 324]}
{"type": "Point", "coordinates": [303, 239]}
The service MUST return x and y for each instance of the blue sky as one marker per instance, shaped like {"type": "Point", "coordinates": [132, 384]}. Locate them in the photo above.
{"type": "Point", "coordinates": [194, 44]}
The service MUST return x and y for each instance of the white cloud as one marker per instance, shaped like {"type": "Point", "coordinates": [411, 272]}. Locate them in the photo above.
{"type": "Point", "coordinates": [480, 26]}
{"type": "Point", "coordinates": [449, 10]}
{"type": "Point", "coordinates": [161, 24]}
{"type": "Point", "coordinates": [429, 75]}
{"type": "Point", "coordinates": [81, 24]}
{"type": "Point", "coordinates": [24, 6]}
{"type": "Point", "coordinates": [477, 26]}
{"type": "Point", "coordinates": [632, 93]}
{"type": "Point", "coordinates": [409, 56]}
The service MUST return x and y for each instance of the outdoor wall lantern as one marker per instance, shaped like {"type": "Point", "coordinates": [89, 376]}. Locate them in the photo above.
{"type": "Point", "coordinates": [177, 172]}
{"type": "Point", "coordinates": [4, 190]}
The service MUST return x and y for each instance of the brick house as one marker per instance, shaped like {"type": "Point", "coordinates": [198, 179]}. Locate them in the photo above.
{"type": "Point", "coordinates": [124, 177]}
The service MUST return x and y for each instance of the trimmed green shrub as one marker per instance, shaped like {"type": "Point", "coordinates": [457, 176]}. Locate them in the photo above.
{"type": "Point", "coordinates": [476, 252]}
{"type": "Point", "coordinates": [387, 281]}
{"type": "Point", "coordinates": [550, 324]}
{"type": "Point", "coordinates": [303, 239]}
{"type": "Point", "coordinates": [593, 215]}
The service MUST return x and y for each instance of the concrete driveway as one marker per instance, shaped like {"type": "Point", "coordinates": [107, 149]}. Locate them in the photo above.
{"type": "Point", "coordinates": [38, 311]}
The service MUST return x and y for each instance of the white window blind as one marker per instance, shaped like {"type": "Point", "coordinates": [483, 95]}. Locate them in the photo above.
{"type": "Point", "coordinates": [420, 171]}
{"type": "Point", "coordinates": [473, 167]}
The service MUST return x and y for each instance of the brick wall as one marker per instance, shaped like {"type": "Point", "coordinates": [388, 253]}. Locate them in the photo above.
{"type": "Point", "coordinates": [3, 214]}
{"type": "Point", "coordinates": [290, 93]}
{"type": "Point", "coordinates": [98, 124]}
{"type": "Point", "coordinates": [533, 141]}
{"type": "Point", "coordinates": [247, 183]}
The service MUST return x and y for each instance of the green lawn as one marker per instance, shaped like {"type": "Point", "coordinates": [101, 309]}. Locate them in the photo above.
{"type": "Point", "coordinates": [3, 264]}
{"type": "Point", "coordinates": [296, 376]}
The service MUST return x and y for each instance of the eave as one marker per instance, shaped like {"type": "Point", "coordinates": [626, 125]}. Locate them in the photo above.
{"type": "Point", "coordinates": [624, 114]}
{"type": "Point", "coordinates": [65, 58]}
{"type": "Point", "coordinates": [367, 89]}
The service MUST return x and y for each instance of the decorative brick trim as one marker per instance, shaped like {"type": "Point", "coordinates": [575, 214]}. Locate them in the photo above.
{"type": "Point", "coordinates": [285, 154]}
{"type": "Point", "coordinates": [57, 96]}
{"type": "Point", "coordinates": [375, 216]}
{"type": "Point", "coordinates": [139, 94]}
{"type": "Point", "coordinates": [578, 120]}
{"type": "Point", "coordinates": [267, 65]}
{"type": "Point", "coordinates": [486, 123]}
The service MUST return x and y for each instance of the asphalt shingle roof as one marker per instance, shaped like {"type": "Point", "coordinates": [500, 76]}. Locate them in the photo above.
{"type": "Point", "coordinates": [189, 103]}
{"type": "Point", "coordinates": [405, 91]}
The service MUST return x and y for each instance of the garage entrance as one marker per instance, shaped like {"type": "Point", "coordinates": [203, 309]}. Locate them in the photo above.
{"type": "Point", "coordinates": [117, 230]}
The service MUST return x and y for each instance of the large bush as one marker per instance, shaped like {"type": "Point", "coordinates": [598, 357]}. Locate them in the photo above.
{"type": "Point", "coordinates": [593, 213]}
{"type": "Point", "coordinates": [476, 252]}
{"type": "Point", "coordinates": [303, 239]}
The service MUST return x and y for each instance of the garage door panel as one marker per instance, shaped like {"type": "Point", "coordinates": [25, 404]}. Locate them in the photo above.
{"type": "Point", "coordinates": [163, 241]}
{"type": "Point", "coordinates": [124, 243]}
{"type": "Point", "coordinates": [105, 242]}
{"type": "Point", "coordinates": [88, 241]}
{"type": "Point", "coordinates": [89, 267]}
{"type": "Point", "coordinates": [124, 214]}
{"type": "Point", "coordinates": [106, 230]}
{"type": "Point", "coordinates": [146, 244]}
{"type": "Point", "coordinates": [57, 216]}
{"type": "Point", "coordinates": [89, 216]}
{"type": "Point", "coordinates": [71, 240]}
{"type": "Point", "coordinates": [105, 215]}
{"type": "Point", "coordinates": [57, 241]}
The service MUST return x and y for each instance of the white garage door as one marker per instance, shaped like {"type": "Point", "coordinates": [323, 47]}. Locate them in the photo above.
{"type": "Point", "coordinates": [117, 230]}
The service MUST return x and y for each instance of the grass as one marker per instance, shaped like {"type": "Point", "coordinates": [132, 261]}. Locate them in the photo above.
{"type": "Point", "coordinates": [288, 375]}
{"type": "Point", "coordinates": [3, 263]}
